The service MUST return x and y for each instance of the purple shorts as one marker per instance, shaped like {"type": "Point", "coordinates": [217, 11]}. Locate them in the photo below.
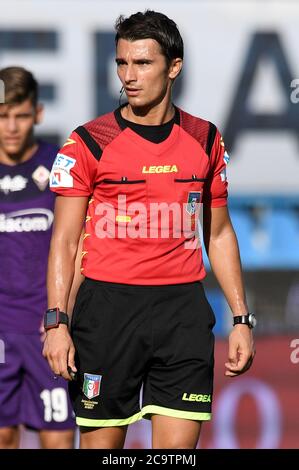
{"type": "Point", "coordinates": [29, 394]}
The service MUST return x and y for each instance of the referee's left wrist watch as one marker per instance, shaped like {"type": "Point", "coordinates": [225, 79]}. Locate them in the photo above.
{"type": "Point", "coordinates": [54, 317]}
{"type": "Point", "coordinates": [249, 319]}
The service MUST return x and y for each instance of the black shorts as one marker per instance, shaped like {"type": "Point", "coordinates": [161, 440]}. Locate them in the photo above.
{"type": "Point", "coordinates": [129, 338]}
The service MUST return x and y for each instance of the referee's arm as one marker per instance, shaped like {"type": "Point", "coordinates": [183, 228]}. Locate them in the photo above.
{"type": "Point", "coordinates": [69, 218]}
{"type": "Point", "coordinates": [77, 279]}
{"type": "Point", "coordinates": [222, 248]}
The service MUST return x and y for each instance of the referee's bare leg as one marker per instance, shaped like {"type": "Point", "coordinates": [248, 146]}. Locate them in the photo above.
{"type": "Point", "coordinates": [174, 433]}
{"type": "Point", "coordinates": [103, 438]}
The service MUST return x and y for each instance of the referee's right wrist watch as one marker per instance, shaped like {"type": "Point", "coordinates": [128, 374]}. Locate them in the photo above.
{"type": "Point", "coordinates": [249, 319]}
{"type": "Point", "coordinates": [53, 317]}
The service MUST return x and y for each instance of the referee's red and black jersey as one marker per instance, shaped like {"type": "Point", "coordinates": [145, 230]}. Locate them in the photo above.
{"type": "Point", "coordinates": [141, 224]}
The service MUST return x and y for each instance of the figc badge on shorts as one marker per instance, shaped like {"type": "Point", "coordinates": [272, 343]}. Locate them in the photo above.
{"type": "Point", "coordinates": [91, 385]}
{"type": "Point", "coordinates": [193, 199]}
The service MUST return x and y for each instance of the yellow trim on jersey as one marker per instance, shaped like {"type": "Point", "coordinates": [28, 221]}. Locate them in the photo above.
{"type": "Point", "coordinates": [69, 142]}
{"type": "Point", "coordinates": [108, 422]}
{"type": "Point", "coordinates": [160, 410]}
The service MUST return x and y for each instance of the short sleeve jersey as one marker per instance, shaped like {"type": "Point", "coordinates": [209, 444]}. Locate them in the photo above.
{"type": "Point", "coordinates": [143, 224]}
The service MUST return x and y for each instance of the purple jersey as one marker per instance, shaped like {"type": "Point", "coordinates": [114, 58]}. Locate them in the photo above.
{"type": "Point", "coordinates": [29, 394]}
{"type": "Point", "coordinates": [26, 217]}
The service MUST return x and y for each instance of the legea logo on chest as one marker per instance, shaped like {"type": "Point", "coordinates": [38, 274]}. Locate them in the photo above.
{"type": "Point", "coordinates": [160, 169]}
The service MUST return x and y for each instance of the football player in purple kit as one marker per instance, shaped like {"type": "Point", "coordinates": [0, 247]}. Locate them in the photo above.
{"type": "Point", "coordinates": [29, 394]}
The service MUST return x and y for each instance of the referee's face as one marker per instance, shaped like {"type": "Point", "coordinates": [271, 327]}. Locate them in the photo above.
{"type": "Point", "coordinates": [143, 72]}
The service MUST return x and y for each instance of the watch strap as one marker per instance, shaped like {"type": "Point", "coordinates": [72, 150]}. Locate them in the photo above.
{"type": "Point", "coordinates": [63, 318]}
{"type": "Point", "coordinates": [241, 320]}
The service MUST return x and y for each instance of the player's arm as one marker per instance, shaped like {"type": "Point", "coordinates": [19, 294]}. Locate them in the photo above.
{"type": "Point", "coordinates": [223, 252]}
{"type": "Point", "coordinates": [69, 217]}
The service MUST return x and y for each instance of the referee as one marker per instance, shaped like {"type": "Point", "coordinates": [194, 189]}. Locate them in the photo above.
{"type": "Point", "coordinates": [138, 179]}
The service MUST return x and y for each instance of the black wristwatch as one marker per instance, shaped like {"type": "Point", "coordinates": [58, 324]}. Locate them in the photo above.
{"type": "Point", "coordinates": [248, 319]}
{"type": "Point", "coordinates": [53, 317]}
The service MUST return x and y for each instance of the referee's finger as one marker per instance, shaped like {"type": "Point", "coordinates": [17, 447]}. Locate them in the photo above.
{"type": "Point", "coordinates": [240, 370]}
{"type": "Point", "coordinates": [62, 361]}
{"type": "Point", "coordinates": [249, 363]}
{"type": "Point", "coordinates": [54, 366]}
{"type": "Point", "coordinates": [48, 357]}
{"type": "Point", "coordinates": [53, 360]}
{"type": "Point", "coordinates": [240, 365]}
{"type": "Point", "coordinates": [71, 359]}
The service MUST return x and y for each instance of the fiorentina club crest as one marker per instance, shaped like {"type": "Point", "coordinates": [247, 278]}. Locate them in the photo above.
{"type": "Point", "coordinates": [91, 385]}
{"type": "Point", "coordinates": [41, 177]}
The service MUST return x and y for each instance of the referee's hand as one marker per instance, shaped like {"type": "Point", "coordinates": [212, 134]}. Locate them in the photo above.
{"type": "Point", "coordinates": [241, 351]}
{"type": "Point", "coordinates": [59, 351]}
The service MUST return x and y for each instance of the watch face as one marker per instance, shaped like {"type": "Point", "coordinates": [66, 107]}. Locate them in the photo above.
{"type": "Point", "coordinates": [252, 320]}
{"type": "Point", "coordinates": [51, 318]}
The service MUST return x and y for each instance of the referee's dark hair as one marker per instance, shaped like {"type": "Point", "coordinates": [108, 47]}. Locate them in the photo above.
{"type": "Point", "coordinates": [152, 25]}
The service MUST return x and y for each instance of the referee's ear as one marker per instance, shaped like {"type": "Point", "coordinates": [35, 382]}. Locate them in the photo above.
{"type": "Point", "coordinates": [175, 68]}
{"type": "Point", "coordinates": [39, 113]}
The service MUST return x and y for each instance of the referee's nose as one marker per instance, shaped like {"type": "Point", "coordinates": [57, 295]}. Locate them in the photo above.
{"type": "Point", "coordinates": [130, 75]}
